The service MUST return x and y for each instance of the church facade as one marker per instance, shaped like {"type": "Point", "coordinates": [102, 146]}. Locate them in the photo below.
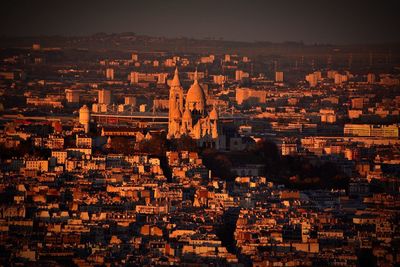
{"type": "Point", "coordinates": [189, 115]}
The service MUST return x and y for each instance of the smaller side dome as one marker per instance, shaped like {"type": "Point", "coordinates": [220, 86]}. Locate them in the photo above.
{"type": "Point", "coordinates": [214, 114]}
{"type": "Point", "coordinates": [187, 115]}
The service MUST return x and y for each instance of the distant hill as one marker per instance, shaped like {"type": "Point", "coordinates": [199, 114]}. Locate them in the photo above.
{"type": "Point", "coordinates": [141, 43]}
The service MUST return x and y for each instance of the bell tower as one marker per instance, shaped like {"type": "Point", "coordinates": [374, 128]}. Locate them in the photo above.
{"type": "Point", "coordinates": [175, 104]}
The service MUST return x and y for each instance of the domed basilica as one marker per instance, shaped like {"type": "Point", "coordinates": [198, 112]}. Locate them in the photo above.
{"type": "Point", "coordinates": [190, 116]}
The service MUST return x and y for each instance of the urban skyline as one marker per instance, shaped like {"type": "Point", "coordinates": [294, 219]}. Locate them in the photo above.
{"type": "Point", "coordinates": [210, 133]}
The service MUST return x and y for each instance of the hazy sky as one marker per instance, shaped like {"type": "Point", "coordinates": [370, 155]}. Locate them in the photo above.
{"type": "Point", "coordinates": [323, 21]}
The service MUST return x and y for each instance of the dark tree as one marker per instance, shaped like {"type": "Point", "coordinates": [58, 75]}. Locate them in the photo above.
{"type": "Point", "coordinates": [269, 153]}
{"type": "Point", "coordinates": [186, 143]}
{"type": "Point", "coordinates": [122, 145]}
{"type": "Point", "coordinates": [157, 145]}
{"type": "Point", "coordinates": [219, 164]}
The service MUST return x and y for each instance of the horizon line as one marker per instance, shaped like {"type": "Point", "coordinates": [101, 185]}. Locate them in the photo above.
{"type": "Point", "coordinates": [218, 39]}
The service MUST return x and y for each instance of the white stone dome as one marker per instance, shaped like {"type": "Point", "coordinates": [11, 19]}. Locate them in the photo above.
{"type": "Point", "coordinates": [196, 97]}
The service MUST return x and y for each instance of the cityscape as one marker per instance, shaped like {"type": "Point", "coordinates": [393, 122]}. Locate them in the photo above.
{"type": "Point", "coordinates": [136, 148]}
